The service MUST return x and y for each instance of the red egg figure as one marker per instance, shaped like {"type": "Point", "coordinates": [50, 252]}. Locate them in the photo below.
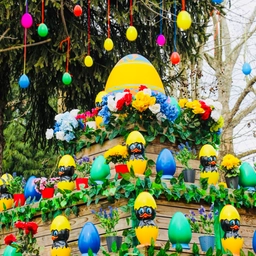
{"type": "Point", "coordinates": [78, 10]}
{"type": "Point", "coordinates": [175, 58]}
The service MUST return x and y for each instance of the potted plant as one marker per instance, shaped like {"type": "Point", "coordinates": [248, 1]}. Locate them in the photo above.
{"type": "Point", "coordinates": [230, 167]}
{"type": "Point", "coordinates": [15, 187]}
{"type": "Point", "coordinates": [83, 168]}
{"type": "Point", "coordinates": [87, 119]}
{"type": "Point", "coordinates": [46, 186]}
{"type": "Point", "coordinates": [118, 155]}
{"type": "Point", "coordinates": [108, 221]}
{"type": "Point", "coordinates": [184, 155]}
{"type": "Point", "coordinates": [204, 223]}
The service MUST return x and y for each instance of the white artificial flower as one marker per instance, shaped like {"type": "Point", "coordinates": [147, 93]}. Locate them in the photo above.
{"type": "Point", "coordinates": [49, 134]}
{"type": "Point", "coordinates": [215, 115]}
{"type": "Point", "coordinates": [147, 91]}
{"type": "Point", "coordinates": [160, 116]}
{"type": "Point", "coordinates": [60, 135]}
{"type": "Point", "coordinates": [155, 108]}
{"type": "Point", "coordinates": [209, 102]}
{"type": "Point", "coordinates": [218, 106]}
{"type": "Point", "coordinates": [112, 103]}
{"type": "Point", "coordinates": [74, 112]}
{"type": "Point", "coordinates": [58, 117]}
{"type": "Point", "coordinates": [119, 95]}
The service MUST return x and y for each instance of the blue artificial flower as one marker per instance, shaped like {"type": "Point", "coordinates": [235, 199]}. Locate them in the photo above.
{"type": "Point", "coordinates": [69, 136]}
{"type": "Point", "coordinates": [219, 132]}
{"type": "Point", "coordinates": [105, 113]}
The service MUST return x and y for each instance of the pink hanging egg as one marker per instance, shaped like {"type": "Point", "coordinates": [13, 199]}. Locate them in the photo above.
{"type": "Point", "coordinates": [26, 20]}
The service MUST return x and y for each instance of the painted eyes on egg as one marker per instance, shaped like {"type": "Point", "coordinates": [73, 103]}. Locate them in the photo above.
{"type": "Point", "coordinates": [55, 233]}
{"type": "Point", "coordinates": [234, 222]}
{"type": "Point", "coordinates": [145, 210]}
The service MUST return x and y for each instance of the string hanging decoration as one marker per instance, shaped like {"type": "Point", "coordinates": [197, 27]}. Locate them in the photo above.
{"type": "Point", "coordinates": [108, 44]}
{"type": "Point", "coordinates": [42, 28]}
{"type": "Point", "coordinates": [66, 78]}
{"type": "Point", "coordinates": [131, 32]}
{"type": "Point", "coordinates": [88, 61]}
{"type": "Point", "coordinates": [183, 19]}
{"type": "Point", "coordinates": [161, 38]}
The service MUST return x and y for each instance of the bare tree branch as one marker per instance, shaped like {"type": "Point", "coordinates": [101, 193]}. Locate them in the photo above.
{"type": "Point", "coordinates": [247, 153]}
{"type": "Point", "coordinates": [210, 60]}
{"type": "Point", "coordinates": [5, 32]}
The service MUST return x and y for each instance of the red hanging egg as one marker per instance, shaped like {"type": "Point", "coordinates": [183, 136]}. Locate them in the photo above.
{"type": "Point", "coordinates": [78, 10]}
{"type": "Point", "coordinates": [175, 58]}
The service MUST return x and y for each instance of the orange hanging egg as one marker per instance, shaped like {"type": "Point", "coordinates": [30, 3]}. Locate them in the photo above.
{"type": "Point", "coordinates": [175, 58]}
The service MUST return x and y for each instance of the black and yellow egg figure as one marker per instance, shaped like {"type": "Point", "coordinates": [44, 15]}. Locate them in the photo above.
{"type": "Point", "coordinates": [60, 229]}
{"type": "Point", "coordinates": [208, 161]}
{"type": "Point", "coordinates": [145, 210]}
{"type": "Point", "coordinates": [6, 199]}
{"type": "Point", "coordinates": [135, 143]}
{"type": "Point", "coordinates": [66, 170]}
{"type": "Point", "coordinates": [230, 224]}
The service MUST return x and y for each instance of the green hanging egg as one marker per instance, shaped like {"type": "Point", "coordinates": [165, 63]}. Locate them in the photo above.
{"type": "Point", "coordinates": [42, 30]}
{"type": "Point", "coordinates": [100, 169]}
{"type": "Point", "coordinates": [179, 231]}
{"type": "Point", "coordinates": [66, 78]}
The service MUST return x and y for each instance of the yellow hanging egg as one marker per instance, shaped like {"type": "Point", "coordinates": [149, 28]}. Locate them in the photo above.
{"type": "Point", "coordinates": [108, 44]}
{"type": "Point", "coordinates": [184, 20]}
{"type": "Point", "coordinates": [207, 150]}
{"type": "Point", "coordinates": [135, 136]}
{"type": "Point", "coordinates": [88, 61]}
{"type": "Point", "coordinates": [131, 33]}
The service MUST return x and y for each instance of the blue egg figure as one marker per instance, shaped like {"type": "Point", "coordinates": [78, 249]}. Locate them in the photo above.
{"type": "Point", "coordinates": [247, 68]}
{"type": "Point", "coordinates": [24, 81]}
{"type": "Point", "coordinates": [217, 1]}
{"type": "Point", "coordinates": [30, 191]}
{"type": "Point", "coordinates": [254, 241]}
{"type": "Point", "coordinates": [166, 163]}
{"type": "Point", "coordinates": [89, 239]}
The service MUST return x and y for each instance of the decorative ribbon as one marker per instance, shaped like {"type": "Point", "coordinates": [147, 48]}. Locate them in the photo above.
{"type": "Point", "coordinates": [25, 43]}
{"type": "Point", "coordinates": [108, 18]}
{"type": "Point", "coordinates": [68, 50]}
{"type": "Point", "coordinates": [161, 17]}
{"type": "Point", "coordinates": [130, 12]}
{"type": "Point", "coordinates": [175, 25]}
{"type": "Point", "coordinates": [183, 5]}
{"type": "Point", "coordinates": [88, 22]}
{"type": "Point", "coordinates": [42, 11]}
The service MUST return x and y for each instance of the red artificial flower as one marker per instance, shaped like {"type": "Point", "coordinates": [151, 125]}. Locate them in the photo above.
{"type": "Point", "coordinates": [80, 116]}
{"type": "Point", "coordinates": [10, 239]}
{"type": "Point", "coordinates": [31, 227]}
{"type": "Point", "coordinates": [20, 224]}
{"type": "Point", "coordinates": [95, 111]}
{"type": "Point", "coordinates": [127, 90]}
{"type": "Point", "coordinates": [207, 110]}
{"type": "Point", "coordinates": [142, 87]}
{"type": "Point", "coordinates": [128, 99]}
{"type": "Point", "coordinates": [120, 103]}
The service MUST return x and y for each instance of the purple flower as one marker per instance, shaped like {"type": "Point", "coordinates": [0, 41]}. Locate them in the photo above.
{"type": "Point", "coordinates": [201, 210]}
{"type": "Point", "coordinates": [211, 208]}
{"type": "Point", "coordinates": [192, 213]}
{"type": "Point", "coordinates": [210, 216]}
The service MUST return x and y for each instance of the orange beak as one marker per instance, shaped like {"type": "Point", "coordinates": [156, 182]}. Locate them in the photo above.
{"type": "Point", "coordinates": [136, 150]}
{"type": "Point", "coordinates": [54, 238]}
{"type": "Point", "coordinates": [145, 215]}
{"type": "Point", "coordinates": [60, 173]}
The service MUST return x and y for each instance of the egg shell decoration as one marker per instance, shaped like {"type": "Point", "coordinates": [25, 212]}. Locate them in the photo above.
{"type": "Point", "coordinates": [78, 10]}
{"type": "Point", "coordinates": [179, 231]}
{"type": "Point", "coordinates": [42, 30]}
{"type": "Point", "coordinates": [175, 58]}
{"type": "Point", "coordinates": [24, 81]}
{"type": "Point", "coordinates": [89, 239]}
{"type": "Point", "coordinates": [132, 71]}
{"type": "Point", "coordinates": [161, 40]}
{"type": "Point", "coordinates": [247, 177]}
{"type": "Point", "coordinates": [88, 61]}
{"type": "Point", "coordinates": [246, 69]}
{"type": "Point", "coordinates": [30, 191]}
{"type": "Point", "coordinates": [108, 44]}
{"type": "Point", "coordinates": [145, 207]}
{"type": "Point", "coordinates": [67, 160]}
{"type": "Point", "coordinates": [6, 178]}
{"type": "Point", "coordinates": [166, 163]}
{"type": "Point", "coordinates": [184, 20]}
{"type": "Point", "coordinates": [230, 223]}
{"type": "Point", "coordinates": [66, 78]}
{"type": "Point", "coordinates": [11, 251]}
{"type": "Point", "coordinates": [131, 33]}
{"type": "Point", "coordinates": [135, 136]}
{"type": "Point", "coordinates": [254, 242]}
{"type": "Point", "coordinates": [207, 150]}
{"type": "Point", "coordinates": [100, 170]}
{"type": "Point", "coordinates": [26, 20]}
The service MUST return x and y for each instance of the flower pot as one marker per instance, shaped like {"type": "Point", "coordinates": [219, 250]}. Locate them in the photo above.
{"type": "Point", "coordinates": [81, 183]}
{"type": "Point", "coordinates": [206, 242]}
{"type": "Point", "coordinates": [232, 182]}
{"type": "Point", "coordinates": [8, 202]}
{"type": "Point", "coordinates": [121, 168]}
{"type": "Point", "coordinates": [189, 175]}
{"type": "Point", "coordinates": [91, 124]}
{"type": "Point", "coordinates": [19, 199]}
{"type": "Point", "coordinates": [111, 240]}
{"type": "Point", "coordinates": [47, 193]}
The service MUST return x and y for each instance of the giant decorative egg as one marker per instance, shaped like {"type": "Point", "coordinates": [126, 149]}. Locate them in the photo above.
{"type": "Point", "coordinates": [166, 163]}
{"type": "Point", "coordinates": [100, 169]}
{"type": "Point", "coordinates": [5, 178]}
{"type": "Point", "coordinates": [30, 191]}
{"type": "Point", "coordinates": [89, 239]}
{"type": "Point", "coordinates": [132, 71]}
{"type": "Point", "coordinates": [247, 177]}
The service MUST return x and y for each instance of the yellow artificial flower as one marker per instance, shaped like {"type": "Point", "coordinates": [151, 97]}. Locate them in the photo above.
{"type": "Point", "coordinates": [230, 162]}
{"type": "Point", "coordinates": [198, 110]}
{"type": "Point", "coordinates": [143, 101]}
{"type": "Point", "coordinates": [182, 102]}
{"type": "Point", "coordinates": [219, 124]}
{"type": "Point", "coordinates": [116, 154]}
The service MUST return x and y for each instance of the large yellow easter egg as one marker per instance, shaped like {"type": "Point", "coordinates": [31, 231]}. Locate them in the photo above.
{"type": "Point", "coordinates": [6, 178]}
{"type": "Point", "coordinates": [132, 71]}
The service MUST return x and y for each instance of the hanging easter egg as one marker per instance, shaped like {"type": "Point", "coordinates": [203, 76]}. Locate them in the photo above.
{"type": "Point", "coordinates": [166, 163]}
{"type": "Point", "coordinates": [30, 191]}
{"type": "Point", "coordinates": [88, 61]}
{"type": "Point", "coordinates": [247, 177]}
{"type": "Point", "coordinates": [175, 58]}
{"type": "Point", "coordinates": [131, 33]}
{"type": "Point", "coordinates": [108, 44]}
{"type": "Point", "coordinates": [246, 68]}
{"type": "Point", "coordinates": [230, 223]}
{"type": "Point", "coordinates": [161, 40]}
{"type": "Point", "coordinates": [78, 10]}
{"type": "Point", "coordinates": [184, 20]}
{"type": "Point", "coordinates": [26, 20]}
{"type": "Point", "coordinates": [179, 231]}
{"type": "Point", "coordinates": [89, 239]}
{"type": "Point", "coordinates": [66, 78]}
{"type": "Point", "coordinates": [42, 30]}
{"type": "Point", "coordinates": [100, 169]}
{"type": "Point", "coordinates": [24, 81]}
{"type": "Point", "coordinates": [217, 1]}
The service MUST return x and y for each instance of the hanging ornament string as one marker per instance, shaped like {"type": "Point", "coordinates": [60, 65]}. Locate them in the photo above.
{"type": "Point", "coordinates": [88, 22]}
{"type": "Point", "coordinates": [183, 5]}
{"type": "Point", "coordinates": [25, 50]}
{"type": "Point", "coordinates": [108, 18]}
{"type": "Point", "coordinates": [175, 25]}
{"type": "Point", "coordinates": [161, 17]}
{"type": "Point", "coordinates": [68, 50]}
{"type": "Point", "coordinates": [42, 11]}
{"type": "Point", "coordinates": [131, 21]}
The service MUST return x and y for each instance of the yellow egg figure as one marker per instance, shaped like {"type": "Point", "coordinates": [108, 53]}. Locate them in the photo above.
{"type": "Point", "coordinates": [132, 71]}
{"type": "Point", "coordinates": [230, 224]}
{"type": "Point", "coordinates": [145, 210]}
{"type": "Point", "coordinates": [135, 143]}
{"type": "Point", "coordinates": [6, 200]}
{"type": "Point", "coordinates": [60, 229]}
{"type": "Point", "coordinates": [208, 160]}
{"type": "Point", "coordinates": [6, 178]}
{"type": "Point", "coordinates": [66, 168]}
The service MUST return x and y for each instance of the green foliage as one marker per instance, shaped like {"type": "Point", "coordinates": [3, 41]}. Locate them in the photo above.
{"type": "Point", "coordinates": [15, 185]}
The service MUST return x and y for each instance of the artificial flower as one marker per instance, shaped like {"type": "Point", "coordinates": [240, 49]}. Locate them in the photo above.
{"type": "Point", "coordinates": [229, 162]}
{"type": "Point", "coordinates": [117, 154]}
{"type": "Point", "coordinates": [155, 108]}
{"type": "Point", "coordinates": [31, 227]}
{"type": "Point", "coordinates": [207, 110]}
{"type": "Point", "coordinates": [143, 101]}
{"type": "Point", "coordinates": [20, 224]}
{"type": "Point", "coordinates": [49, 134]}
{"type": "Point", "coordinates": [10, 239]}
{"type": "Point", "coordinates": [182, 102]}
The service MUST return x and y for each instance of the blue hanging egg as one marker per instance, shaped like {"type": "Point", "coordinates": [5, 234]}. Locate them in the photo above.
{"type": "Point", "coordinates": [24, 81]}
{"type": "Point", "coordinates": [165, 162]}
{"type": "Point", "coordinates": [217, 1]}
{"type": "Point", "coordinates": [30, 191]}
{"type": "Point", "coordinates": [247, 68]}
{"type": "Point", "coordinates": [89, 239]}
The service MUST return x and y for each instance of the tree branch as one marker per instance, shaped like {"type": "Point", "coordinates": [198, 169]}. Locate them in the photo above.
{"type": "Point", "coordinates": [210, 60]}
{"type": "Point", "coordinates": [247, 153]}
{"type": "Point", "coordinates": [5, 32]}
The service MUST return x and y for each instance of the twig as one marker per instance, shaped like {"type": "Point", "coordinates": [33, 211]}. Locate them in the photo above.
{"type": "Point", "coordinates": [63, 18]}
{"type": "Point", "coordinates": [5, 32]}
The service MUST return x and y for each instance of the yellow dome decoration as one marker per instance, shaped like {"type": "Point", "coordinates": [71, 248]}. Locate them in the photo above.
{"type": "Point", "coordinates": [60, 223]}
{"type": "Point", "coordinates": [99, 97]}
{"type": "Point", "coordinates": [67, 160]}
{"type": "Point", "coordinates": [135, 136]}
{"type": "Point", "coordinates": [207, 150]}
{"type": "Point", "coordinates": [229, 212]}
{"type": "Point", "coordinates": [144, 199]}
{"type": "Point", "coordinates": [132, 71]}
